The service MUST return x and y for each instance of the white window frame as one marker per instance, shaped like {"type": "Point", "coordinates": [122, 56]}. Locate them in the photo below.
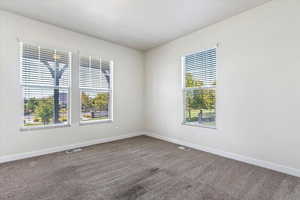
{"type": "Point", "coordinates": [110, 90]}
{"type": "Point", "coordinates": [39, 127]}
{"type": "Point", "coordinates": [185, 89]}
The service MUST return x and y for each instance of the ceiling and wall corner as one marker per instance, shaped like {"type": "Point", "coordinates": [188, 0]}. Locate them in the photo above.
{"type": "Point", "coordinates": [139, 24]}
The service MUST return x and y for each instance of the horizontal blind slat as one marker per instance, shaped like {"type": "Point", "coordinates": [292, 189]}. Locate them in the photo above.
{"type": "Point", "coordinates": [200, 68]}
{"type": "Point", "coordinates": [37, 64]}
{"type": "Point", "coordinates": [94, 73]}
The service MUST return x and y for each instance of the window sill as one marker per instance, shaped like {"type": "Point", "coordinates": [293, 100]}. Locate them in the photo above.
{"type": "Point", "coordinates": [85, 123]}
{"type": "Point", "coordinates": [44, 127]}
{"type": "Point", "coordinates": [199, 125]}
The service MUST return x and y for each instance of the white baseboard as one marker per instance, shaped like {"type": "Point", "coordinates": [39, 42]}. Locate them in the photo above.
{"type": "Point", "coordinates": [261, 163]}
{"type": "Point", "coordinates": [20, 156]}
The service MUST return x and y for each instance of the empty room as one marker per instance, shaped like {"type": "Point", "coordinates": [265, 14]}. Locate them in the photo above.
{"type": "Point", "coordinates": [150, 100]}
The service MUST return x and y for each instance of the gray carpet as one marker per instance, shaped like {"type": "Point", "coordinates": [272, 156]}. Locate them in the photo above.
{"type": "Point", "coordinates": [141, 168]}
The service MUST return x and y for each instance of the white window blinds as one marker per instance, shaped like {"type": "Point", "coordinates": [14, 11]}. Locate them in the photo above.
{"type": "Point", "coordinates": [93, 75]}
{"type": "Point", "coordinates": [199, 90]}
{"type": "Point", "coordinates": [96, 89]}
{"type": "Point", "coordinates": [45, 79]}
{"type": "Point", "coordinates": [200, 69]}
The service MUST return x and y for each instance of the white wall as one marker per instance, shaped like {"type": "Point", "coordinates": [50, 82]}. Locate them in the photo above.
{"type": "Point", "coordinates": [258, 95]}
{"type": "Point", "coordinates": [128, 87]}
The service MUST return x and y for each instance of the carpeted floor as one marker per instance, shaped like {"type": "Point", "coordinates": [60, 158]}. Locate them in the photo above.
{"type": "Point", "coordinates": [141, 168]}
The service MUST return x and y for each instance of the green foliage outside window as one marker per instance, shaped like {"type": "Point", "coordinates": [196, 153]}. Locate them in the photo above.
{"type": "Point", "coordinates": [44, 110]}
{"type": "Point", "coordinates": [97, 103]}
{"type": "Point", "coordinates": [200, 103]}
{"type": "Point", "coordinates": [94, 106]}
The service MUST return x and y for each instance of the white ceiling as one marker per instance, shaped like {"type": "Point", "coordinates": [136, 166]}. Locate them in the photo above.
{"type": "Point", "coordinates": [140, 24]}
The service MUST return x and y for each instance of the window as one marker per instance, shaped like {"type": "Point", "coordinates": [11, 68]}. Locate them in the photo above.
{"type": "Point", "coordinates": [45, 81]}
{"type": "Point", "coordinates": [199, 88]}
{"type": "Point", "coordinates": [95, 89]}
